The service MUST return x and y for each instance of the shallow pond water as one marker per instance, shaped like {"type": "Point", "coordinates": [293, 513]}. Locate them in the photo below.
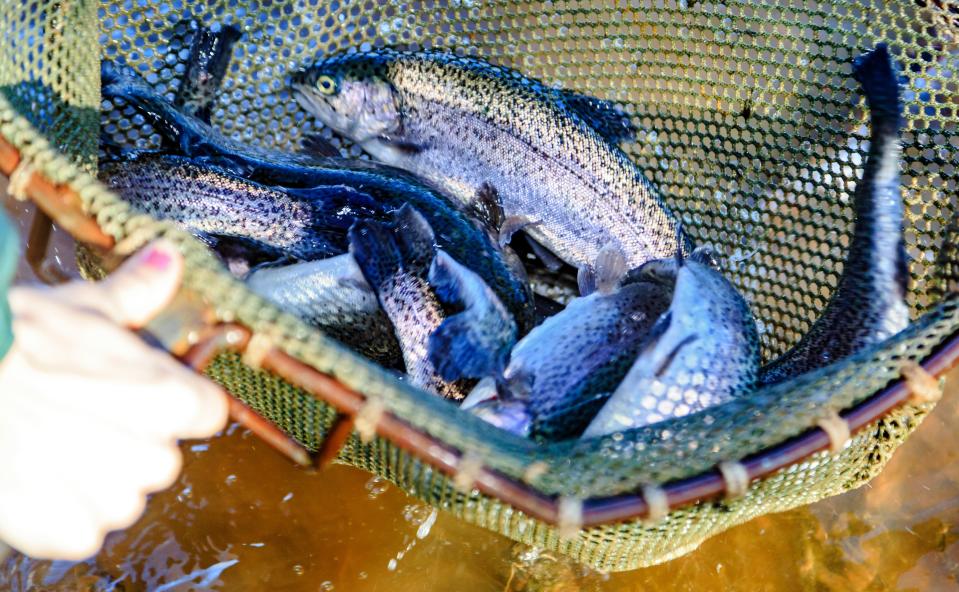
{"type": "Point", "coordinates": [242, 518]}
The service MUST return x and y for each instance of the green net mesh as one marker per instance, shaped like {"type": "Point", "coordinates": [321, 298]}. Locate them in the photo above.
{"type": "Point", "coordinates": [751, 127]}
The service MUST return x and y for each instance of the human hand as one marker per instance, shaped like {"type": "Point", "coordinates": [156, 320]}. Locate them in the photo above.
{"type": "Point", "coordinates": [90, 414]}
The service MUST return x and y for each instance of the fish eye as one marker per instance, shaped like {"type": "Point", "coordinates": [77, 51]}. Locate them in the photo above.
{"type": "Point", "coordinates": [326, 85]}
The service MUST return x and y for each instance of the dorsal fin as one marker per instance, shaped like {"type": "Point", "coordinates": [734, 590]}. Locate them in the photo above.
{"type": "Point", "coordinates": [487, 209]}
{"type": "Point", "coordinates": [604, 117]}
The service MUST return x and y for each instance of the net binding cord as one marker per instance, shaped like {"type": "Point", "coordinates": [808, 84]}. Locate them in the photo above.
{"type": "Point", "coordinates": [751, 127]}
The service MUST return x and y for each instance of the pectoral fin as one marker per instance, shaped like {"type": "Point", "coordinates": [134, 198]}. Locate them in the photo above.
{"type": "Point", "coordinates": [610, 269]}
{"type": "Point", "coordinates": [586, 279]}
{"type": "Point", "coordinates": [317, 145]}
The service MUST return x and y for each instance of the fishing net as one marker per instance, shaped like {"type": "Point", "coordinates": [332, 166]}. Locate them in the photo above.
{"type": "Point", "coordinates": [750, 126]}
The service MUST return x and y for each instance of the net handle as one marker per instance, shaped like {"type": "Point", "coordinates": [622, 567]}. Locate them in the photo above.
{"type": "Point", "coordinates": [170, 331]}
{"type": "Point", "coordinates": [188, 330]}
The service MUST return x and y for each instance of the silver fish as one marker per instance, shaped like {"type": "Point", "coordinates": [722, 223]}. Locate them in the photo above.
{"type": "Point", "coordinates": [391, 187]}
{"type": "Point", "coordinates": [301, 223]}
{"type": "Point", "coordinates": [477, 130]}
{"type": "Point", "coordinates": [333, 296]}
{"type": "Point", "coordinates": [869, 304]}
{"type": "Point", "coordinates": [703, 351]}
{"type": "Point", "coordinates": [416, 284]}
{"type": "Point", "coordinates": [562, 372]}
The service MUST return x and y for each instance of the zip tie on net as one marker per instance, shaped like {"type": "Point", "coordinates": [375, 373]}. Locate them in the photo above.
{"type": "Point", "coordinates": [837, 429]}
{"type": "Point", "coordinates": [368, 418]}
{"type": "Point", "coordinates": [256, 350]}
{"type": "Point", "coordinates": [923, 386]}
{"type": "Point", "coordinates": [467, 471]}
{"type": "Point", "coordinates": [569, 517]}
{"type": "Point", "coordinates": [736, 478]}
{"type": "Point", "coordinates": [657, 503]}
{"type": "Point", "coordinates": [19, 179]}
{"type": "Point", "coordinates": [535, 470]}
{"type": "Point", "coordinates": [138, 238]}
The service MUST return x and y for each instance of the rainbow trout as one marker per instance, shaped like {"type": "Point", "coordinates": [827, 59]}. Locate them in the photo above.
{"type": "Point", "coordinates": [392, 188]}
{"type": "Point", "coordinates": [869, 304]}
{"type": "Point", "coordinates": [561, 373]}
{"type": "Point", "coordinates": [481, 132]}
{"type": "Point", "coordinates": [417, 285]}
{"type": "Point", "coordinates": [333, 296]}
{"type": "Point", "coordinates": [701, 352]}
{"type": "Point", "coordinates": [211, 202]}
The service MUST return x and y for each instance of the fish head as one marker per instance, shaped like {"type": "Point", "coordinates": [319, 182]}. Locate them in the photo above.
{"type": "Point", "coordinates": [352, 94]}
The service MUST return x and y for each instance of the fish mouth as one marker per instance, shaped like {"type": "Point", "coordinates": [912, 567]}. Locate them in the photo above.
{"type": "Point", "coordinates": [316, 105]}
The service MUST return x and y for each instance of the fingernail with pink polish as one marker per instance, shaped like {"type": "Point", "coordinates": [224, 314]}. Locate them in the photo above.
{"type": "Point", "coordinates": [157, 259]}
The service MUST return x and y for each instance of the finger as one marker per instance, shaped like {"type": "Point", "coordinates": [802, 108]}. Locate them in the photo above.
{"type": "Point", "coordinates": [117, 474]}
{"type": "Point", "coordinates": [46, 524]}
{"type": "Point", "coordinates": [138, 290]}
{"type": "Point", "coordinates": [211, 410]}
{"type": "Point", "coordinates": [106, 471]}
{"type": "Point", "coordinates": [175, 403]}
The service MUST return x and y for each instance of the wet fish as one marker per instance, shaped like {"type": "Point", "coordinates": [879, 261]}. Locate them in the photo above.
{"type": "Point", "coordinates": [391, 187]}
{"type": "Point", "coordinates": [701, 352]}
{"type": "Point", "coordinates": [206, 64]}
{"type": "Point", "coordinates": [477, 130]}
{"type": "Point", "coordinates": [302, 224]}
{"type": "Point", "coordinates": [561, 373]}
{"type": "Point", "coordinates": [333, 296]}
{"type": "Point", "coordinates": [416, 285]}
{"type": "Point", "coordinates": [869, 304]}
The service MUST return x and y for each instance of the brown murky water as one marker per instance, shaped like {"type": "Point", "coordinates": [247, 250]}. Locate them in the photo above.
{"type": "Point", "coordinates": [242, 518]}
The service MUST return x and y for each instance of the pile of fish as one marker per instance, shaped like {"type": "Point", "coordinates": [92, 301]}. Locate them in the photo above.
{"type": "Point", "coordinates": [499, 248]}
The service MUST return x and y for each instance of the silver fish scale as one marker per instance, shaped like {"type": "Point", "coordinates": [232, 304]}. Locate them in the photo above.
{"type": "Point", "coordinates": [545, 162]}
{"type": "Point", "coordinates": [415, 312]}
{"type": "Point", "coordinates": [332, 295]}
{"type": "Point", "coordinates": [708, 354]}
{"type": "Point", "coordinates": [595, 334]}
{"type": "Point", "coordinates": [206, 201]}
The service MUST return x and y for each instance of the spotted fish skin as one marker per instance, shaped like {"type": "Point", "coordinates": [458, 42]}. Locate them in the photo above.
{"type": "Point", "coordinates": [206, 65]}
{"type": "Point", "coordinates": [391, 187]}
{"type": "Point", "coordinates": [416, 284]}
{"type": "Point", "coordinates": [465, 125]}
{"type": "Point", "coordinates": [869, 304]}
{"type": "Point", "coordinates": [566, 367]}
{"type": "Point", "coordinates": [703, 351]}
{"type": "Point", "coordinates": [333, 296]}
{"type": "Point", "coordinates": [210, 201]}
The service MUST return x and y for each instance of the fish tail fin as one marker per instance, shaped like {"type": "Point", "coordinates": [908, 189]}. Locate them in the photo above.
{"type": "Point", "coordinates": [382, 249]}
{"type": "Point", "coordinates": [415, 240]}
{"type": "Point", "coordinates": [375, 252]}
{"type": "Point", "coordinates": [206, 66]}
{"type": "Point", "coordinates": [456, 353]}
{"type": "Point", "coordinates": [464, 346]}
{"type": "Point", "coordinates": [876, 74]}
